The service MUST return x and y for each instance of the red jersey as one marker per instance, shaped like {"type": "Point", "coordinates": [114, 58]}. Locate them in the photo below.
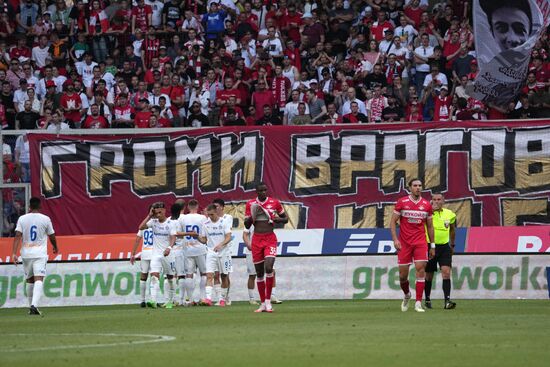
{"type": "Point", "coordinates": [141, 119]}
{"type": "Point", "coordinates": [223, 95]}
{"type": "Point", "coordinates": [151, 48]}
{"type": "Point", "coordinates": [124, 112]}
{"type": "Point", "coordinates": [142, 16]}
{"type": "Point", "coordinates": [95, 122]}
{"type": "Point", "coordinates": [280, 85]}
{"type": "Point", "coordinates": [269, 206]}
{"type": "Point", "coordinates": [441, 108]}
{"type": "Point", "coordinates": [71, 102]}
{"type": "Point", "coordinates": [412, 220]}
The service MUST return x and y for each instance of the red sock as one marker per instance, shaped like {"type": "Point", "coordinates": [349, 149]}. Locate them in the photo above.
{"type": "Point", "coordinates": [405, 287]}
{"type": "Point", "coordinates": [268, 285]}
{"type": "Point", "coordinates": [260, 283]}
{"type": "Point", "coordinates": [420, 284]}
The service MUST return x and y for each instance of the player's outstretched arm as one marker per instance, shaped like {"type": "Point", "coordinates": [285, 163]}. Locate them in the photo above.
{"type": "Point", "coordinates": [16, 244]}
{"type": "Point", "coordinates": [53, 240]}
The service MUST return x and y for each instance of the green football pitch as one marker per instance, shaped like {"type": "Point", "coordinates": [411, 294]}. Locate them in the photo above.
{"type": "Point", "coordinates": [305, 333]}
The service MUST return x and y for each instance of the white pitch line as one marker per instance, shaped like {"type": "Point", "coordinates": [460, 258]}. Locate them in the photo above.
{"type": "Point", "coordinates": [153, 339]}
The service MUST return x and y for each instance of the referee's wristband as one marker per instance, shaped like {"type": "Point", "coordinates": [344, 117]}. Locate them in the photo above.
{"type": "Point", "coordinates": [432, 245]}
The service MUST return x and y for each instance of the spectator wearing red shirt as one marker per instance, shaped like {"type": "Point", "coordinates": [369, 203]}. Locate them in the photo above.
{"type": "Point", "coordinates": [291, 22]}
{"type": "Point", "coordinates": [71, 104]}
{"type": "Point", "coordinates": [141, 118]}
{"type": "Point", "coordinates": [229, 91]}
{"type": "Point", "coordinates": [442, 105]}
{"type": "Point", "coordinates": [262, 97]}
{"type": "Point", "coordinates": [380, 26]}
{"type": "Point", "coordinates": [123, 113]}
{"type": "Point", "coordinates": [150, 48]}
{"type": "Point", "coordinates": [95, 120]}
{"type": "Point", "coordinates": [142, 16]}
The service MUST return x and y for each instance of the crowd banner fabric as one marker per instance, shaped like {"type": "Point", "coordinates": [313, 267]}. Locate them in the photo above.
{"type": "Point", "coordinates": [325, 176]}
{"type": "Point", "coordinates": [505, 33]}
{"type": "Point", "coordinates": [342, 277]}
{"type": "Point", "coordinates": [528, 239]}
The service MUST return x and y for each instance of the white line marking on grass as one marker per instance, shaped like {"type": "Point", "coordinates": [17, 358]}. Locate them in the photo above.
{"type": "Point", "coordinates": [151, 339]}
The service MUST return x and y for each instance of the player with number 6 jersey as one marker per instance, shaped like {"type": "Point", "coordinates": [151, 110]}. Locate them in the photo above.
{"type": "Point", "coordinates": [32, 231]}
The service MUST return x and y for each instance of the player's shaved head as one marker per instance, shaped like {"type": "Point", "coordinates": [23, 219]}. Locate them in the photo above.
{"type": "Point", "coordinates": [175, 210]}
{"type": "Point", "coordinates": [211, 207]}
{"type": "Point", "coordinates": [193, 204]}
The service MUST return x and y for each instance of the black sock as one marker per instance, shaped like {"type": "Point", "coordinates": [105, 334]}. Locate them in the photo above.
{"type": "Point", "coordinates": [447, 289]}
{"type": "Point", "coordinates": [428, 289]}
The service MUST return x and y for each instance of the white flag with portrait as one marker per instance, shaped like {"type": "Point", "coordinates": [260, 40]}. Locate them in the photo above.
{"type": "Point", "coordinates": [505, 33]}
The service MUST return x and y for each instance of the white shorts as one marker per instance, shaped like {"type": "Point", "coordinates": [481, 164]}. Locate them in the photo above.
{"type": "Point", "coordinates": [180, 265]}
{"type": "Point", "coordinates": [192, 263]}
{"type": "Point", "coordinates": [250, 268]}
{"type": "Point", "coordinates": [35, 267]}
{"type": "Point", "coordinates": [145, 266]}
{"type": "Point", "coordinates": [215, 263]}
{"type": "Point", "coordinates": [164, 264]}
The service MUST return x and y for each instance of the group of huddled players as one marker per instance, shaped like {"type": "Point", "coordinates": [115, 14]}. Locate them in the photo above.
{"type": "Point", "coordinates": [187, 243]}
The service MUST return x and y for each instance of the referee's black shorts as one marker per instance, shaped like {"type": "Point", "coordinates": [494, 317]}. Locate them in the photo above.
{"type": "Point", "coordinates": [443, 257]}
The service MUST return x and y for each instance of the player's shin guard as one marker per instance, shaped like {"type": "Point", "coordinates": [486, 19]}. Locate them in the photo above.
{"type": "Point", "coordinates": [202, 286]}
{"type": "Point", "coordinates": [428, 289]}
{"type": "Point", "coordinates": [268, 285]}
{"type": "Point", "coordinates": [447, 289]}
{"type": "Point", "coordinates": [223, 293]}
{"type": "Point", "coordinates": [171, 289]}
{"type": "Point", "coordinates": [37, 293]}
{"type": "Point", "coordinates": [405, 287]}
{"type": "Point", "coordinates": [29, 290]}
{"type": "Point", "coordinates": [208, 293]}
{"type": "Point", "coordinates": [251, 294]}
{"type": "Point", "coordinates": [154, 289]}
{"type": "Point", "coordinates": [217, 291]}
{"type": "Point", "coordinates": [142, 289]}
{"type": "Point", "coordinates": [260, 283]}
{"type": "Point", "coordinates": [190, 288]}
{"type": "Point", "coordinates": [420, 284]}
{"type": "Point", "coordinates": [182, 288]}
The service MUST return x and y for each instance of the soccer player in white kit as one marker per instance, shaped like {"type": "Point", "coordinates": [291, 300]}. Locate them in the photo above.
{"type": "Point", "coordinates": [216, 234]}
{"type": "Point", "coordinates": [162, 258]}
{"type": "Point", "coordinates": [146, 239]}
{"type": "Point", "coordinates": [176, 211]}
{"type": "Point", "coordinates": [33, 230]}
{"type": "Point", "coordinates": [220, 209]}
{"type": "Point", "coordinates": [194, 251]}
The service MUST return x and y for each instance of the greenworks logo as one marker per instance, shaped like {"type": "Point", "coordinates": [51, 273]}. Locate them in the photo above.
{"type": "Point", "coordinates": [488, 278]}
{"type": "Point", "coordinates": [75, 285]}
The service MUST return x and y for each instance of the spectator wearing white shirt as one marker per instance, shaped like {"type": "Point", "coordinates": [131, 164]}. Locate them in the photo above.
{"type": "Point", "coordinates": [272, 44]}
{"type": "Point", "coordinates": [422, 55]}
{"type": "Point", "coordinates": [291, 108]}
{"type": "Point", "coordinates": [346, 107]}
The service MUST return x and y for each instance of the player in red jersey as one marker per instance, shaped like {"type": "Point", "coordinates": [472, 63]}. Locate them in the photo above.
{"type": "Point", "coordinates": [414, 214]}
{"type": "Point", "coordinates": [264, 212]}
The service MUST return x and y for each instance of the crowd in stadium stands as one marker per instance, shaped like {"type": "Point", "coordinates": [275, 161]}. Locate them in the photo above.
{"type": "Point", "coordinates": [148, 63]}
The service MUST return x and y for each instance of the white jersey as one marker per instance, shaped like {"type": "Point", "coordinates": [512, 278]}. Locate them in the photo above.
{"type": "Point", "coordinates": [192, 223]}
{"type": "Point", "coordinates": [161, 234]}
{"type": "Point", "coordinates": [35, 229]}
{"type": "Point", "coordinates": [215, 234]}
{"type": "Point", "coordinates": [228, 220]}
{"type": "Point", "coordinates": [146, 244]}
{"type": "Point", "coordinates": [179, 244]}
